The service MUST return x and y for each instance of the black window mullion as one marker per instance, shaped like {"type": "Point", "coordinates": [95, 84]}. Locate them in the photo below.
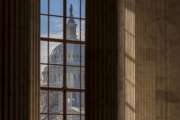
{"type": "Point", "coordinates": [63, 16]}
{"type": "Point", "coordinates": [61, 40]}
{"type": "Point", "coordinates": [48, 58]}
{"type": "Point", "coordinates": [80, 58]}
{"type": "Point", "coordinates": [64, 72]}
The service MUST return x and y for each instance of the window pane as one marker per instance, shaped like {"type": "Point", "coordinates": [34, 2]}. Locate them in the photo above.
{"type": "Point", "coordinates": [44, 26]}
{"type": "Point", "coordinates": [43, 101]}
{"type": "Point", "coordinates": [73, 8]}
{"type": "Point", "coordinates": [44, 6]}
{"type": "Point", "coordinates": [73, 77]}
{"type": "Point", "coordinates": [56, 7]}
{"type": "Point", "coordinates": [44, 75]}
{"type": "Point", "coordinates": [73, 29]}
{"type": "Point", "coordinates": [43, 117]}
{"type": "Point", "coordinates": [73, 117]}
{"type": "Point", "coordinates": [55, 76]}
{"type": "Point", "coordinates": [82, 78]}
{"type": "Point", "coordinates": [73, 103]}
{"type": "Point", "coordinates": [55, 102]}
{"type": "Point", "coordinates": [82, 103]}
{"type": "Point", "coordinates": [83, 5]}
{"type": "Point", "coordinates": [56, 27]}
{"type": "Point", "coordinates": [73, 54]}
{"type": "Point", "coordinates": [82, 55]}
{"type": "Point", "coordinates": [82, 117]}
{"type": "Point", "coordinates": [83, 32]}
{"type": "Point", "coordinates": [56, 53]}
{"type": "Point", "coordinates": [56, 117]}
{"type": "Point", "coordinates": [44, 52]}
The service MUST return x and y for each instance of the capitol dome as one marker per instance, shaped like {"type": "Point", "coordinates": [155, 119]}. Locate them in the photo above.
{"type": "Point", "coordinates": [56, 73]}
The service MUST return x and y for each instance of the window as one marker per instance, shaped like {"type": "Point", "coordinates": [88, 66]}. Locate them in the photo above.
{"type": "Point", "coordinates": [62, 59]}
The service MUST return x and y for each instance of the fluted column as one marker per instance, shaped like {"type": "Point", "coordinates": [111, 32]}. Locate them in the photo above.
{"type": "Point", "coordinates": [17, 59]}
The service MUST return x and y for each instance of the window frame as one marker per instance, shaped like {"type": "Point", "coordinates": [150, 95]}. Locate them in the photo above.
{"type": "Point", "coordinates": [65, 42]}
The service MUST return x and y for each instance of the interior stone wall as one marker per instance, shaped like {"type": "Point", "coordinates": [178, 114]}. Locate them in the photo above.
{"type": "Point", "coordinates": [149, 41]}
{"type": "Point", "coordinates": [173, 59]}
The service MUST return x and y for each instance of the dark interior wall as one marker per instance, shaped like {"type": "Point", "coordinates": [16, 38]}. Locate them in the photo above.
{"type": "Point", "coordinates": [101, 60]}
{"type": "Point", "coordinates": [1, 59]}
{"type": "Point", "coordinates": [14, 55]}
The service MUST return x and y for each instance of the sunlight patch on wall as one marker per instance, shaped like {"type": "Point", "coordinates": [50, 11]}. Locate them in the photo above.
{"type": "Point", "coordinates": [129, 65]}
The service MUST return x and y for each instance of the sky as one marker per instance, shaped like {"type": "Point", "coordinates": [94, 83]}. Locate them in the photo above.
{"type": "Point", "coordinates": [56, 7]}
{"type": "Point", "coordinates": [56, 23]}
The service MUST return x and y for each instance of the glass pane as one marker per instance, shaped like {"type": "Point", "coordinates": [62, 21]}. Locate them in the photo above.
{"type": "Point", "coordinates": [43, 101]}
{"type": "Point", "coordinates": [82, 55]}
{"type": "Point", "coordinates": [55, 76]}
{"type": "Point", "coordinates": [82, 117]}
{"type": "Point", "coordinates": [55, 102]}
{"type": "Point", "coordinates": [73, 103]}
{"type": "Point", "coordinates": [83, 10]}
{"type": "Point", "coordinates": [82, 103]}
{"type": "Point", "coordinates": [73, 117]}
{"type": "Point", "coordinates": [44, 6]}
{"type": "Point", "coordinates": [73, 54]}
{"type": "Point", "coordinates": [44, 76]}
{"type": "Point", "coordinates": [44, 26]}
{"type": "Point", "coordinates": [82, 78]}
{"type": "Point", "coordinates": [43, 117]}
{"type": "Point", "coordinates": [56, 117]}
{"type": "Point", "coordinates": [44, 52]}
{"type": "Point", "coordinates": [73, 77]}
{"type": "Point", "coordinates": [56, 27]}
{"type": "Point", "coordinates": [56, 7]}
{"type": "Point", "coordinates": [73, 29]}
{"type": "Point", "coordinates": [73, 8]}
{"type": "Point", "coordinates": [56, 53]}
{"type": "Point", "coordinates": [83, 30]}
